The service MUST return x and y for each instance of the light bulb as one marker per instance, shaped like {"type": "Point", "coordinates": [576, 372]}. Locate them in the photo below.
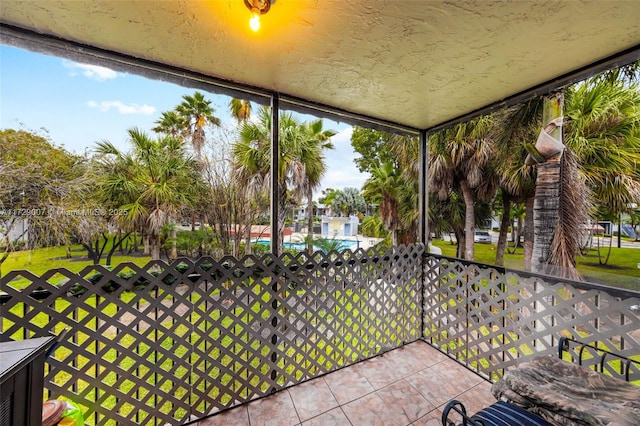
{"type": "Point", "coordinates": [254, 22]}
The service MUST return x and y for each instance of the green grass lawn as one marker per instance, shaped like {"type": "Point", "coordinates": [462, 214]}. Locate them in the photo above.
{"type": "Point", "coordinates": [42, 260]}
{"type": "Point", "coordinates": [621, 270]}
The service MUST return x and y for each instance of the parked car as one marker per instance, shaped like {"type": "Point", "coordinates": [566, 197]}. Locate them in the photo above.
{"type": "Point", "coordinates": [482, 237]}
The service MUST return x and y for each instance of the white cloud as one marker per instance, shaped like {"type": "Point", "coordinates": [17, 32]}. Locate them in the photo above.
{"type": "Point", "coordinates": [92, 72]}
{"type": "Point", "coordinates": [106, 106]}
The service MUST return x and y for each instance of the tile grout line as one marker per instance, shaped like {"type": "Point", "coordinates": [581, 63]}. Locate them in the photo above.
{"type": "Point", "coordinates": [294, 407]}
{"type": "Point", "coordinates": [339, 405]}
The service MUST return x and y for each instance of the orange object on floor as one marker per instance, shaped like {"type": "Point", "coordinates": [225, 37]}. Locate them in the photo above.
{"type": "Point", "coordinates": [52, 412]}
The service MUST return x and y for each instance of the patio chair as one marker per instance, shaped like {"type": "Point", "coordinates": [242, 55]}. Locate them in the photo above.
{"type": "Point", "coordinates": [550, 391]}
{"type": "Point", "coordinates": [500, 413]}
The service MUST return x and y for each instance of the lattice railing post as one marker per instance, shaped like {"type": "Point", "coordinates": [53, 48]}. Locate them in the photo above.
{"type": "Point", "coordinates": [97, 392]}
{"type": "Point", "coordinates": [274, 336]}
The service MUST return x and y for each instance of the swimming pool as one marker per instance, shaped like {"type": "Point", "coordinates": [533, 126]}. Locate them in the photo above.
{"type": "Point", "coordinates": [343, 245]}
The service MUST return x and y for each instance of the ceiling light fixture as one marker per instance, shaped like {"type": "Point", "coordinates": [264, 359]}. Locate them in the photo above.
{"type": "Point", "coordinates": [257, 8]}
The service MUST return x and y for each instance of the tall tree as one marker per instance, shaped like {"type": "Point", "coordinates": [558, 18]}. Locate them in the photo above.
{"type": "Point", "coordinates": [172, 124]}
{"type": "Point", "coordinates": [603, 130]}
{"type": "Point", "coordinates": [560, 197]}
{"type": "Point", "coordinates": [150, 184]}
{"type": "Point", "coordinates": [44, 190]}
{"type": "Point", "coordinates": [379, 150]}
{"type": "Point", "coordinates": [601, 116]}
{"type": "Point", "coordinates": [384, 188]}
{"type": "Point", "coordinates": [251, 158]}
{"type": "Point", "coordinates": [459, 156]}
{"type": "Point", "coordinates": [240, 109]}
{"type": "Point", "coordinates": [516, 128]}
{"type": "Point", "coordinates": [347, 202]}
{"type": "Point", "coordinates": [316, 141]}
{"type": "Point", "coordinates": [198, 112]}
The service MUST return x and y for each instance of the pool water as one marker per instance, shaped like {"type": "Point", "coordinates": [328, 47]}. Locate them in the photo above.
{"type": "Point", "coordinates": [344, 245]}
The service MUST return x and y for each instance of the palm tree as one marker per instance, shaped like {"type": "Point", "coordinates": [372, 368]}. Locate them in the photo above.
{"type": "Point", "coordinates": [337, 202]}
{"type": "Point", "coordinates": [326, 245]}
{"type": "Point", "coordinates": [316, 140]}
{"type": "Point", "coordinates": [460, 156]}
{"type": "Point", "coordinates": [402, 153]}
{"type": "Point", "coordinates": [516, 127]}
{"type": "Point", "coordinates": [173, 124]}
{"type": "Point", "coordinates": [152, 182]}
{"type": "Point", "coordinates": [559, 200]}
{"type": "Point", "coordinates": [603, 130]}
{"type": "Point", "coordinates": [347, 202]}
{"type": "Point", "coordinates": [383, 187]}
{"type": "Point", "coordinates": [240, 109]}
{"type": "Point", "coordinates": [198, 112]}
{"type": "Point", "coordinates": [602, 117]}
{"type": "Point", "coordinates": [251, 158]}
{"type": "Point", "coordinates": [448, 215]}
{"type": "Point", "coordinates": [405, 150]}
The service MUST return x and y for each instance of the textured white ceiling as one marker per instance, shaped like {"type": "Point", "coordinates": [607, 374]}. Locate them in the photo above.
{"type": "Point", "coordinates": [416, 63]}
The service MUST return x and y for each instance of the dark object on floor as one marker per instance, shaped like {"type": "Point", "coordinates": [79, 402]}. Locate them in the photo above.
{"type": "Point", "coordinates": [52, 412]}
{"type": "Point", "coordinates": [498, 414]}
{"type": "Point", "coordinates": [555, 392]}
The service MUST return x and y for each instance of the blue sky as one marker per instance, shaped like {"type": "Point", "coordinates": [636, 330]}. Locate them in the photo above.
{"type": "Point", "coordinates": [77, 105]}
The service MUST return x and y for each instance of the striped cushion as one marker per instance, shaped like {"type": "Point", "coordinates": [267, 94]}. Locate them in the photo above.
{"type": "Point", "coordinates": [504, 414]}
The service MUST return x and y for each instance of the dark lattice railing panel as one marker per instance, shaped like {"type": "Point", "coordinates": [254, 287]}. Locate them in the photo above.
{"type": "Point", "coordinates": [166, 344]}
{"type": "Point", "coordinates": [339, 314]}
{"type": "Point", "coordinates": [232, 353]}
{"type": "Point", "coordinates": [445, 313]}
{"type": "Point", "coordinates": [491, 320]}
{"type": "Point", "coordinates": [123, 352]}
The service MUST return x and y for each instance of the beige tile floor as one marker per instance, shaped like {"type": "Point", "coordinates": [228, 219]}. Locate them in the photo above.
{"type": "Point", "coordinates": [407, 386]}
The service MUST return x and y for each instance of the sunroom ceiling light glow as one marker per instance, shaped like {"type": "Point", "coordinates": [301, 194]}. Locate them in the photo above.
{"type": "Point", "coordinates": [257, 8]}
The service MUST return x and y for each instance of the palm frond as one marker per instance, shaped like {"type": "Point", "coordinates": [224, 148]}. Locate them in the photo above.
{"type": "Point", "coordinates": [573, 207]}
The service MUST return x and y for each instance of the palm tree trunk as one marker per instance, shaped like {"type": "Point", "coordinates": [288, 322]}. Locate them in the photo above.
{"type": "Point", "coordinates": [547, 198]}
{"type": "Point", "coordinates": [469, 219]}
{"type": "Point", "coordinates": [504, 228]}
{"type": "Point", "coordinates": [545, 212]}
{"type": "Point", "coordinates": [155, 247]}
{"type": "Point", "coordinates": [461, 246]}
{"type": "Point", "coordinates": [282, 211]}
{"type": "Point", "coordinates": [528, 233]}
{"type": "Point", "coordinates": [146, 250]}
{"type": "Point", "coordinates": [247, 237]}
{"type": "Point", "coordinates": [310, 219]}
{"type": "Point", "coordinates": [174, 243]}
